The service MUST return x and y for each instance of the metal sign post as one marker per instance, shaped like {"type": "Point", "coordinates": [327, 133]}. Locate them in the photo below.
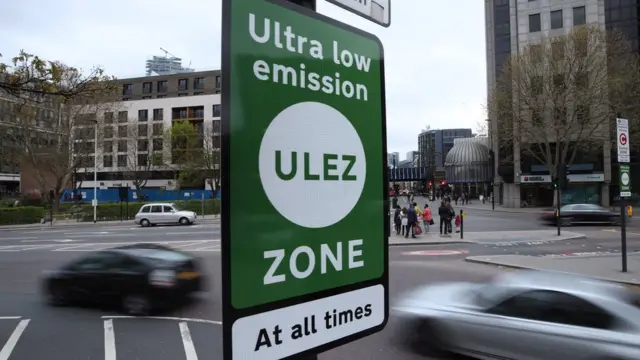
{"type": "Point", "coordinates": [300, 272]}
{"type": "Point", "coordinates": [624, 157]}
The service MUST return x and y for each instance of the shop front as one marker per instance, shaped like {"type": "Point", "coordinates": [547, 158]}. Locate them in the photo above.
{"type": "Point", "coordinates": [536, 191]}
{"type": "Point", "coordinates": [583, 189]}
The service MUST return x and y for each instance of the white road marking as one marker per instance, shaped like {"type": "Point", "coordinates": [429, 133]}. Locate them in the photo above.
{"type": "Point", "coordinates": [19, 238]}
{"type": "Point", "coordinates": [8, 347]}
{"type": "Point", "coordinates": [189, 347]}
{"type": "Point", "coordinates": [47, 240]}
{"type": "Point", "coordinates": [109, 341]}
{"type": "Point", "coordinates": [10, 317]}
{"type": "Point", "coordinates": [178, 244]}
{"type": "Point", "coordinates": [208, 248]}
{"type": "Point", "coordinates": [201, 321]}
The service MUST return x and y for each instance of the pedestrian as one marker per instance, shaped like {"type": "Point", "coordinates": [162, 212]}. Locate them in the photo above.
{"type": "Point", "coordinates": [411, 222]}
{"type": "Point", "coordinates": [427, 218]}
{"type": "Point", "coordinates": [404, 220]}
{"type": "Point", "coordinates": [397, 219]}
{"type": "Point", "coordinates": [458, 222]}
{"type": "Point", "coordinates": [443, 212]}
{"type": "Point", "coordinates": [452, 214]}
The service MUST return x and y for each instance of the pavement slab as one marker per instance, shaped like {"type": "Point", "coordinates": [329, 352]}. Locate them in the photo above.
{"type": "Point", "coordinates": [602, 266]}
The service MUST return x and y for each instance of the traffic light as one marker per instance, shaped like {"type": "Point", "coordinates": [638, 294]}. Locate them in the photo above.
{"type": "Point", "coordinates": [430, 184]}
{"type": "Point", "coordinates": [443, 183]}
{"type": "Point", "coordinates": [554, 182]}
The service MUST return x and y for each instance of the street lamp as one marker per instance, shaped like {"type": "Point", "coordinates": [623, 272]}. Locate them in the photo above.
{"type": "Point", "coordinates": [95, 173]}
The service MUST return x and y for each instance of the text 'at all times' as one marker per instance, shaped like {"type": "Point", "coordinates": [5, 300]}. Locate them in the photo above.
{"type": "Point", "coordinates": [300, 77]}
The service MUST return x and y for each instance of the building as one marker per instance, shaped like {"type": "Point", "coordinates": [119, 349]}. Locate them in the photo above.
{"type": "Point", "coordinates": [510, 26]}
{"type": "Point", "coordinates": [434, 145]}
{"type": "Point", "coordinates": [393, 159]}
{"type": "Point", "coordinates": [132, 148]}
{"type": "Point", "coordinates": [468, 167]}
{"type": "Point", "coordinates": [411, 155]}
{"type": "Point", "coordinates": [166, 65]}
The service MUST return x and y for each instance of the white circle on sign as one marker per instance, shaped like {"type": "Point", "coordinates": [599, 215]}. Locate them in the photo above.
{"type": "Point", "coordinates": [312, 196]}
{"type": "Point", "coordinates": [624, 179]}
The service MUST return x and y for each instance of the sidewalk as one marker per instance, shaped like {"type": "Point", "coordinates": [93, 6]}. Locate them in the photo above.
{"type": "Point", "coordinates": [487, 237]}
{"type": "Point", "coordinates": [475, 205]}
{"type": "Point", "coordinates": [605, 267]}
{"type": "Point", "coordinates": [73, 223]}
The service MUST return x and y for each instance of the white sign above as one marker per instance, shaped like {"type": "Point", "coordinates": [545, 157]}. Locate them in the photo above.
{"type": "Point", "coordinates": [585, 177]}
{"type": "Point", "coordinates": [535, 179]}
{"type": "Point", "coordinates": [622, 128]}
{"type": "Point", "coordinates": [378, 11]}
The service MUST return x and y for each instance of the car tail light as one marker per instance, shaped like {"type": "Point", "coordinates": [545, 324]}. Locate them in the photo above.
{"type": "Point", "coordinates": [162, 278]}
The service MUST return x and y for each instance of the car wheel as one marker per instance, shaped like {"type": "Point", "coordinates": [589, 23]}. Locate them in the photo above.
{"type": "Point", "coordinates": [56, 296]}
{"type": "Point", "coordinates": [428, 340]}
{"type": "Point", "coordinates": [136, 304]}
{"type": "Point", "coordinates": [184, 221]}
{"type": "Point", "coordinates": [566, 221]}
{"type": "Point", "coordinates": [144, 223]}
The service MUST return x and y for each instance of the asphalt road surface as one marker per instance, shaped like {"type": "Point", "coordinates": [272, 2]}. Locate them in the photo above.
{"type": "Point", "coordinates": [31, 330]}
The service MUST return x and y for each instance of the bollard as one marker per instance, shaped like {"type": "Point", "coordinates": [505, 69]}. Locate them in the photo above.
{"type": "Point", "coordinates": [461, 224]}
{"type": "Point", "coordinates": [629, 210]}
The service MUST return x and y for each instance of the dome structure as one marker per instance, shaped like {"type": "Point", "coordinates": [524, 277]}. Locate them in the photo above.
{"type": "Point", "coordinates": [468, 161]}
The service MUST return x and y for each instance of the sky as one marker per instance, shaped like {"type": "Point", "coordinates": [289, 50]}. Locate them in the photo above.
{"type": "Point", "coordinates": [435, 50]}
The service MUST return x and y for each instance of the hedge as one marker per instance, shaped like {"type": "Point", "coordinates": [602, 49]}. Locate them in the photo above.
{"type": "Point", "coordinates": [105, 212]}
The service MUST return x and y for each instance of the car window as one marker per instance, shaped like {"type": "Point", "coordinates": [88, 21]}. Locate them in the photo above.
{"type": "Point", "coordinates": [555, 307]}
{"type": "Point", "coordinates": [126, 263]}
{"type": "Point", "coordinates": [145, 209]}
{"type": "Point", "coordinates": [567, 208]}
{"type": "Point", "coordinates": [580, 208]}
{"type": "Point", "coordinates": [167, 209]}
{"type": "Point", "coordinates": [156, 209]}
{"type": "Point", "coordinates": [95, 262]}
{"type": "Point", "coordinates": [593, 207]}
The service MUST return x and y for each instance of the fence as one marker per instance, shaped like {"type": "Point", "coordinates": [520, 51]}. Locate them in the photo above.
{"type": "Point", "coordinates": [146, 195]}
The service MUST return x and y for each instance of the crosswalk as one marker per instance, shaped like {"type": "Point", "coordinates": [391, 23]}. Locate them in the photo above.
{"type": "Point", "coordinates": [186, 245]}
{"type": "Point", "coordinates": [124, 337]}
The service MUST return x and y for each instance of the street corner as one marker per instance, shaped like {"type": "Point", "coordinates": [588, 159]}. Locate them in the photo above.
{"type": "Point", "coordinates": [522, 237]}
{"type": "Point", "coordinates": [427, 240]}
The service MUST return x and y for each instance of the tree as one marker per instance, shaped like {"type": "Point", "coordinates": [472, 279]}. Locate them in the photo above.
{"type": "Point", "coordinates": [481, 128]}
{"type": "Point", "coordinates": [188, 152]}
{"type": "Point", "coordinates": [558, 97]}
{"type": "Point", "coordinates": [54, 106]}
{"type": "Point", "coordinates": [29, 78]}
{"type": "Point", "coordinates": [143, 155]}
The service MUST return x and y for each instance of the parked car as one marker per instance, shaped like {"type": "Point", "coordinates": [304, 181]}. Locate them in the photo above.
{"type": "Point", "coordinates": [139, 278]}
{"type": "Point", "coordinates": [524, 316]}
{"type": "Point", "coordinates": [581, 214]}
{"type": "Point", "coordinates": [164, 214]}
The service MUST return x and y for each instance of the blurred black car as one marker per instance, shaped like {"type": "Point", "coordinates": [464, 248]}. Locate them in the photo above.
{"type": "Point", "coordinates": [581, 214]}
{"type": "Point", "coordinates": [138, 278]}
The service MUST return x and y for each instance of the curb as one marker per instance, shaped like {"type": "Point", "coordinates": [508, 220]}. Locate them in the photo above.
{"type": "Point", "coordinates": [470, 259]}
{"type": "Point", "coordinates": [505, 211]}
{"type": "Point", "coordinates": [575, 237]}
{"type": "Point", "coordinates": [85, 224]}
{"type": "Point", "coordinates": [433, 243]}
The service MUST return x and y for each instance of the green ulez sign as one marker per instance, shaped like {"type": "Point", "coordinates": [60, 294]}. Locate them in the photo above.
{"type": "Point", "coordinates": [304, 182]}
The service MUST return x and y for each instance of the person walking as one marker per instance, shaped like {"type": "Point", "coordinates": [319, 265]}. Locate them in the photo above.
{"type": "Point", "coordinates": [397, 219]}
{"type": "Point", "coordinates": [411, 222]}
{"type": "Point", "coordinates": [403, 220]}
{"type": "Point", "coordinates": [427, 217]}
{"type": "Point", "coordinates": [452, 214]}
{"type": "Point", "coordinates": [444, 214]}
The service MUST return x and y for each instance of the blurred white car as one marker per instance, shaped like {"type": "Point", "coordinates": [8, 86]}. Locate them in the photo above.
{"type": "Point", "coordinates": [523, 316]}
{"type": "Point", "coordinates": [164, 214]}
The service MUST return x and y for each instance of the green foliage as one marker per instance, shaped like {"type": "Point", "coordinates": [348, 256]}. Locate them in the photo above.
{"type": "Point", "coordinates": [105, 212]}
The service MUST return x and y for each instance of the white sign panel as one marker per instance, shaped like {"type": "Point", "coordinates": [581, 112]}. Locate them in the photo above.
{"type": "Point", "coordinates": [535, 179]}
{"type": "Point", "coordinates": [623, 140]}
{"type": "Point", "coordinates": [378, 11]}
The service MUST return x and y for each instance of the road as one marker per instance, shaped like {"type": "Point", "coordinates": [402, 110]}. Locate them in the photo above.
{"type": "Point", "coordinates": [31, 330]}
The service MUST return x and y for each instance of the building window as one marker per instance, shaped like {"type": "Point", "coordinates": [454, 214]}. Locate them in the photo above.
{"type": "Point", "coordinates": [162, 86]}
{"type": "Point", "coordinates": [107, 161]}
{"type": "Point", "coordinates": [142, 160]}
{"type": "Point", "coordinates": [157, 159]}
{"type": "Point", "coordinates": [158, 144]}
{"type": "Point", "coordinates": [122, 160]}
{"type": "Point", "coordinates": [123, 116]}
{"type": "Point", "coordinates": [198, 93]}
{"type": "Point", "coordinates": [218, 81]}
{"type": "Point", "coordinates": [198, 83]}
{"type": "Point", "coordinates": [556, 19]}
{"type": "Point", "coordinates": [107, 147]}
{"type": "Point", "coordinates": [122, 146]}
{"type": "Point", "coordinates": [560, 115]}
{"type": "Point", "coordinates": [536, 119]}
{"type": "Point", "coordinates": [183, 84]}
{"type": "Point", "coordinates": [216, 110]}
{"type": "Point", "coordinates": [582, 114]}
{"type": "Point", "coordinates": [536, 85]}
{"type": "Point", "coordinates": [108, 118]}
{"type": "Point", "coordinates": [158, 129]}
{"type": "Point", "coordinates": [534, 23]}
{"type": "Point", "coordinates": [143, 145]}
{"type": "Point", "coordinates": [216, 126]}
{"type": "Point", "coordinates": [215, 142]}
{"type": "Point", "coordinates": [143, 130]}
{"type": "Point", "coordinates": [158, 114]}
{"type": "Point", "coordinates": [161, 96]}
{"type": "Point", "coordinates": [108, 132]}
{"type": "Point", "coordinates": [557, 50]}
{"type": "Point", "coordinates": [183, 94]}
{"type": "Point", "coordinates": [582, 81]}
{"type": "Point", "coordinates": [127, 89]}
{"type": "Point", "coordinates": [147, 87]}
{"type": "Point", "coordinates": [143, 115]}
{"type": "Point", "coordinates": [122, 131]}
{"type": "Point", "coordinates": [146, 97]}
{"type": "Point", "coordinates": [579, 16]}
